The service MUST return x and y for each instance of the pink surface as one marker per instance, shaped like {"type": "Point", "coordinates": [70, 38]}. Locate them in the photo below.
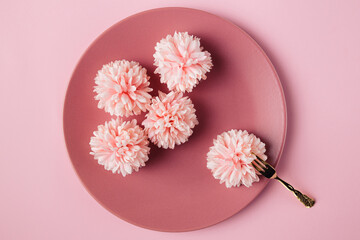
{"type": "Point", "coordinates": [175, 191]}
{"type": "Point", "coordinates": [315, 49]}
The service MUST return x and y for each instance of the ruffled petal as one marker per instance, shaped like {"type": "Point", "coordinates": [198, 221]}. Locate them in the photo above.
{"type": "Point", "coordinates": [181, 62]}
{"type": "Point", "coordinates": [122, 88]}
{"type": "Point", "coordinates": [170, 120]}
{"type": "Point", "coordinates": [120, 146]}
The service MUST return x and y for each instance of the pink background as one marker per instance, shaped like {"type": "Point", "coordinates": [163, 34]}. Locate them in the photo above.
{"type": "Point", "coordinates": [315, 47]}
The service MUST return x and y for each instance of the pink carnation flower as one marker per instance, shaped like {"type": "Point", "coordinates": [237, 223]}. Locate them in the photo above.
{"type": "Point", "coordinates": [181, 61]}
{"type": "Point", "coordinates": [170, 120]}
{"type": "Point", "coordinates": [120, 146]}
{"type": "Point", "coordinates": [122, 88]}
{"type": "Point", "coordinates": [229, 159]}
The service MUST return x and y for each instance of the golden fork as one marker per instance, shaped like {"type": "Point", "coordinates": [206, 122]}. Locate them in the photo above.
{"type": "Point", "coordinates": [269, 172]}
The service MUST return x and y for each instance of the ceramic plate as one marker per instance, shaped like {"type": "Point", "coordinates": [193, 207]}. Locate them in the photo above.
{"type": "Point", "coordinates": [175, 191]}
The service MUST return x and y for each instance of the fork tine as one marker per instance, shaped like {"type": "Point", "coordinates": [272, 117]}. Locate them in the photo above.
{"type": "Point", "coordinates": [260, 161]}
{"type": "Point", "coordinates": [266, 166]}
{"type": "Point", "coordinates": [256, 160]}
{"type": "Point", "coordinates": [264, 163]}
{"type": "Point", "coordinates": [259, 164]}
{"type": "Point", "coordinates": [257, 167]}
{"type": "Point", "coordinates": [267, 170]}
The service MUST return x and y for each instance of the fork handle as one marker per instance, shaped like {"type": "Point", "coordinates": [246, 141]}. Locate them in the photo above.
{"type": "Point", "coordinates": [307, 201]}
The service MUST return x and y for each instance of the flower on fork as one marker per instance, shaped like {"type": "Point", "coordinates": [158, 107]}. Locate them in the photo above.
{"type": "Point", "coordinates": [229, 159]}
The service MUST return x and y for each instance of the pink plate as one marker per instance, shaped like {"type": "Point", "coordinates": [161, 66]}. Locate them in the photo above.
{"type": "Point", "coordinates": [175, 191]}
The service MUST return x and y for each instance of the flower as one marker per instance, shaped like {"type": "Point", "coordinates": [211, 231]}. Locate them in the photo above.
{"type": "Point", "coordinates": [229, 159]}
{"type": "Point", "coordinates": [122, 88]}
{"type": "Point", "coordinates": [181, 61]}
{"type": "Point", "coordinates": [120, 146]}
{"type": "Point", "coordinates": [170, 119]}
